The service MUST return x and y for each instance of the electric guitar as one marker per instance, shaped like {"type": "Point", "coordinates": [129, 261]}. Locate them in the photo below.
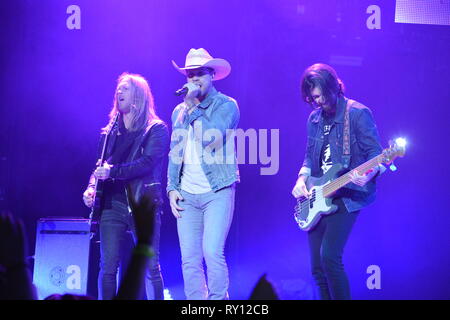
{"type": "Point", "coordinates": [98, 184]}
{"type": "Point", "coordinates": [309, 211]}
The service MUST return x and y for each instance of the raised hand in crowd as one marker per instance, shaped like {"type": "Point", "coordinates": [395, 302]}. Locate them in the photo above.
{"type": "Point", "coordinates": [144, 215]}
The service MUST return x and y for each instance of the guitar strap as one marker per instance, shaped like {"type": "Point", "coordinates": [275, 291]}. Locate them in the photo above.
{"type": "Point", "coordinates": [346, 136]}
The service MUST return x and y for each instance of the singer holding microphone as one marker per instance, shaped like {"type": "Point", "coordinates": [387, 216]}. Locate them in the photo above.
{"type": "Point", "coordinates": [134, 153]}
{"type": "Point", "coordinates": [202, 174]}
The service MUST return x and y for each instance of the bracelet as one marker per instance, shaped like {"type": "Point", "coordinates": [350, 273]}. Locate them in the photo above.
{"type": "Point", "coordinates": [144, 250]}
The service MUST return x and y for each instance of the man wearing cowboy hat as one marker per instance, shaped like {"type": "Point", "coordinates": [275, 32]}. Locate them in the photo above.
{"type": "Point", "coordinates": [202, 173]}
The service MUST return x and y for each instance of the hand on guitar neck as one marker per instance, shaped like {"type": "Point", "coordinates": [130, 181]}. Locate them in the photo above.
{"type": "Point", "coordinates": [361, 180]}
{"type": "Point", "coordinates": [102, 172]}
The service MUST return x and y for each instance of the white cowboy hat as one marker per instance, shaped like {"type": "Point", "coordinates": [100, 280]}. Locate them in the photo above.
{"type": "Point", "coordinates": [197, 58]}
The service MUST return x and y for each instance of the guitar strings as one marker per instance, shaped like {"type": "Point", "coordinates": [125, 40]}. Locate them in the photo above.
{"type": "Point", "coordinates": [344, 179]}
{"type": "Point", "coordinates": [339, 182]}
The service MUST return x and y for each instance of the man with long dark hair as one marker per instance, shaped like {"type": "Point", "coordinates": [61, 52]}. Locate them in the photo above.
{"type": "Point", "coordinates": [324, 91]}
{"type": "Point", "coordinates": [135, 151]}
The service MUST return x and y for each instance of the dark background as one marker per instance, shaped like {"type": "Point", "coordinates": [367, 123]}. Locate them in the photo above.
{"type": "Point", "coordinates": [57, 88]}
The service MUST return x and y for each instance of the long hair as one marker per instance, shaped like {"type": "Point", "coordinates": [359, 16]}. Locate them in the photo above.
{"type": "Point", "coordinates": [143, 112]}
{"type": "Point", "coordinates": [325, 77]}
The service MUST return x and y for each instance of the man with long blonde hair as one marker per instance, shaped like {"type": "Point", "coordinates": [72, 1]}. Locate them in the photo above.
{"type": "Point", "coordinates": [136, 147]}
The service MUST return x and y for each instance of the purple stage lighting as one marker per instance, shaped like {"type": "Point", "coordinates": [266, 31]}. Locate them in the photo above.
{"type": "Point", "coordinates": [423, 12]}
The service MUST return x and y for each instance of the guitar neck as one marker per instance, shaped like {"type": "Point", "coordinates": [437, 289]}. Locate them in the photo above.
{"type": "Point", "coordinates": [109, 129]}
{"type": "Point", "coordinates": [343, 180]}
{"type": "Point", "coordinates": [111, 126]}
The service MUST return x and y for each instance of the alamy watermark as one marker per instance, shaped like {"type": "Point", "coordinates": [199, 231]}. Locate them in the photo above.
{"type": "Point", "coordinates": [73, 21]}
{"type": "Point", "coordinates": [213, 146]}
{"type": "Point", "coordinates": [374, 280]}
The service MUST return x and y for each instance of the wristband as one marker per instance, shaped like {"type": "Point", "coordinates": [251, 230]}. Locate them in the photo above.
{"type": "Point", "coordinates": [144, 250]}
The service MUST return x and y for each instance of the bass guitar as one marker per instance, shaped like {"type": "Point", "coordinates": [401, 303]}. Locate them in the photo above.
{"type": "Point", "coordinates": [308, 211]}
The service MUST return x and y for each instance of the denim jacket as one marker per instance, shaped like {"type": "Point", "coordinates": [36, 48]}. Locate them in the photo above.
{"type": "Point", "coordinates": [364, 145]}
{"type": "Point", "coordinates": [217, 116]}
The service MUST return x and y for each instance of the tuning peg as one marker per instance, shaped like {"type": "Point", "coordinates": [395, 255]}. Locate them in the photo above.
{"type": "Point", "coordinates": [392, 167]}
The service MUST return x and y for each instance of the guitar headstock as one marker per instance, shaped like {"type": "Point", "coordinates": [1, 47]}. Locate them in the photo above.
{"type": "Point", "coordinates": [397, 149]}
{"type": "Point", "coordinates": [112, 124]}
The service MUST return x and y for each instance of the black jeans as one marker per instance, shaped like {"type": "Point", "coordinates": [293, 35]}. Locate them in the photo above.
{"type": "Point", "coordinates": [326, 243]}
{"type": "Point", "coordinates": [114, 224]}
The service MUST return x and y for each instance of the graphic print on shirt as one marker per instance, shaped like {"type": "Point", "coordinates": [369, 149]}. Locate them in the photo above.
{"type": "Point", "coordinates": [326, 152]}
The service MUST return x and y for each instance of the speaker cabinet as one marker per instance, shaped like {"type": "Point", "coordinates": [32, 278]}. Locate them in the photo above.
{"type": "Point", "coordinates": [61, 259]}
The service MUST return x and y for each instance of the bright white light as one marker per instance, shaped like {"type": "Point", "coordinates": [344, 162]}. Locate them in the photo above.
{"type": "Point", "coordinates": [401, 142]}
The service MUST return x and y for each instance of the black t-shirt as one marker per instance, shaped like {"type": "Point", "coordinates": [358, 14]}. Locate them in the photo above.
{"type": "Point", "coordinates": [325, 155]}
{"type": "Point", "coordinates": [115, 189]}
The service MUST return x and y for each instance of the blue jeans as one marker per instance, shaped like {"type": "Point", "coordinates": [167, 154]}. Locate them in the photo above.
{"type": "Point", "coordinates": [202, 231]}
{"type": "Point", "coordinates": [114, 224]}
{"type": "Point", "coordinates": [326, 243]}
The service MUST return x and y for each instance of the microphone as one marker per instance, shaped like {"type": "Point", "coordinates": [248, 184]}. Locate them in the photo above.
{"type": "Point", "coordinates": [181, 91]}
